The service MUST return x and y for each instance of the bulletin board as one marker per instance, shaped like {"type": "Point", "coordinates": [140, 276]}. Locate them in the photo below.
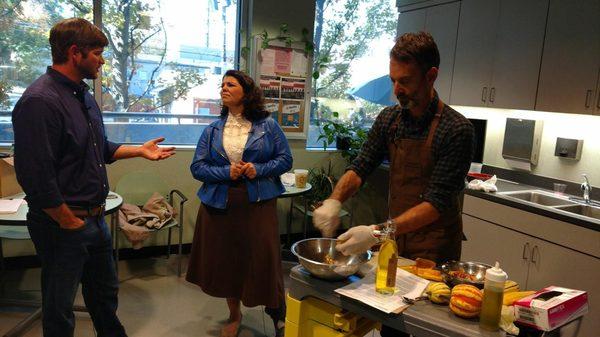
{"type": "Point", "coordinates": [284, 75]}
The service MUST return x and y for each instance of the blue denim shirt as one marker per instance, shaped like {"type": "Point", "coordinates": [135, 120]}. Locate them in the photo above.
{"type": "Point", "coordinates": [267, 148]}
{"type": "Point", "coordinates": [60, 145]}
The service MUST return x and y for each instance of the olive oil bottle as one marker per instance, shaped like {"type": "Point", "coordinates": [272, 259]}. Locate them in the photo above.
{"type": "Point", "coordinates": [387, 262]}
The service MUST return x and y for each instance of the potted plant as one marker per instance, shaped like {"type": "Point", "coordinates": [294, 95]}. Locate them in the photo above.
{"type": "Point", "coordinates": [348, 135]}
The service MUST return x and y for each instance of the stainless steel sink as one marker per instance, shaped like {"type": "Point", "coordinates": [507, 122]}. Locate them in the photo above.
{"type": "Point", "coordinates": [585, 210]}
{"type": "Point", "coordinates": [538, 197]}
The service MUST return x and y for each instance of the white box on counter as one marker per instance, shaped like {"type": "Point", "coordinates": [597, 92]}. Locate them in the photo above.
{"type": "Point", "coordinates": [551, 307]}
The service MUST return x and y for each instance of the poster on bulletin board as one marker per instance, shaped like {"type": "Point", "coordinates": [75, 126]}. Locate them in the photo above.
{"type": "Point", "coordinates": [283, 74]}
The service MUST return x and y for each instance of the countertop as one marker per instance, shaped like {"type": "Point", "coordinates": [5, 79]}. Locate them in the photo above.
{"type": "Point", "coordinates": [422, 319]}
{"type": "Point", "coordinates": [509, 186]}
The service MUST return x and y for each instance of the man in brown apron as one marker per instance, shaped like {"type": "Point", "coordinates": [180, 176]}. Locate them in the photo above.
{"type": "Point", "coordinates": [429, 146]}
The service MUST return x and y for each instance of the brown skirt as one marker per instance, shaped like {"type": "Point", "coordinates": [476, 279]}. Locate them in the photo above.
{"type": "Point", "coordinates": [236, 251]}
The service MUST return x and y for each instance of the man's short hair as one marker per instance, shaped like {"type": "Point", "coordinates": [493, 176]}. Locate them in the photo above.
{"type": "Point", "coordinates": [74, 31]}
{"type": "Point", "coordinates": [417, 47]}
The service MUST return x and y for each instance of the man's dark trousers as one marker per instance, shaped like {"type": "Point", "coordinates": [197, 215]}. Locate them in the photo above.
{"type": "Point", "coordinates": [70, 257]}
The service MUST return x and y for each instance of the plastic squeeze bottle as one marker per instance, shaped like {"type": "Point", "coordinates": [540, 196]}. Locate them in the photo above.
{"type": "Point", "coordinates": [493, 291]}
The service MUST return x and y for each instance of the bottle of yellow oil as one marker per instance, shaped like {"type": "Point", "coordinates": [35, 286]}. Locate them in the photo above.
{"type": "Point", "coordinates": [493, 292]}
{"type": "Point", "coordinates": [387, 262]}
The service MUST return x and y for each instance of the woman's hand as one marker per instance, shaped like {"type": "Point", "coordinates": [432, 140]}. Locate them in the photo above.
{"type": "Point", "coordinates": [235, 171]}
{"type": "Point", "coordinates": [248, 170]}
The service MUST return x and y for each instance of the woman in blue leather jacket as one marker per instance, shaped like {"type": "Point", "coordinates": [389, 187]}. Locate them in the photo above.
{"type": "Point", "coordinates": [236, 251]}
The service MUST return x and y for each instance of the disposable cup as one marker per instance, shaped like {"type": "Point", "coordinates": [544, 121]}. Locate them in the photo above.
{"type": "Point", "coordinates": [301, 177]}
{"type": "Point", "coordinates": [559, 188]}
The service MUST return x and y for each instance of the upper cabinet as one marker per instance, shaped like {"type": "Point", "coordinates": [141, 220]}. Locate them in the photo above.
{"type": "Point", "coordinates": [498, 53]}
{"type": "Point", "coordinates": [571, 60]}
{"type": "Point", "coordinates": [441, 21]}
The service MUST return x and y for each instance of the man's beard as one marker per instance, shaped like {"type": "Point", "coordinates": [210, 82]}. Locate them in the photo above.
{"type": "Point", "coordinates": [87, 73]}
{"type": "Point", "coordinates": [407, 102]}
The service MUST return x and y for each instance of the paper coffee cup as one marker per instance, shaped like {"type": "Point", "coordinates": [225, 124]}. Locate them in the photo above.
{"type": "Point", "coordinates": [301, 177]}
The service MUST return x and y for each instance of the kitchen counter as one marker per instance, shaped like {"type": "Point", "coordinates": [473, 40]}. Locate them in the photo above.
{"type": "Point", "coordinates": [422, 319]}
{"type": "Point", "coordinates": [509, 186]}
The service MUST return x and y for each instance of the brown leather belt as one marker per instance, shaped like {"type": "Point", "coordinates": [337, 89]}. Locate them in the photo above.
{"type": "Point", "coordinates": [84, 212]}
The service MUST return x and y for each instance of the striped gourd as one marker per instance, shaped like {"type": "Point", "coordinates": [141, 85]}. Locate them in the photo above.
{"type": "Point", "coordinates": [465, 301]}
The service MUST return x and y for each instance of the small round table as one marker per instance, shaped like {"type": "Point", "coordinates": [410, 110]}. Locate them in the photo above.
{"type": "Point", "coordinates": [291, 192]}
{"type": "Point", "coordinates": [14, 226]}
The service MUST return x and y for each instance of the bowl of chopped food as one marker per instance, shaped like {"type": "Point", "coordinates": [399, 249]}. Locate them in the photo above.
{"type": "Point", "coordinates": [319, 257]}
{"type": "Point", "coordinates": [459, 272]}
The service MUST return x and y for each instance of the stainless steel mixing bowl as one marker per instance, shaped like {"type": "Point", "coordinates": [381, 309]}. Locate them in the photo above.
{"type": "Point", "coordinates": [319, 257]}
{"type": "Point", "coordinates": [452, 270]}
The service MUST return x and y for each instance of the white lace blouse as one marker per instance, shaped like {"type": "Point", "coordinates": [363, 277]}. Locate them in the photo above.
{"type": "Point", "coordinates": [235, 135]}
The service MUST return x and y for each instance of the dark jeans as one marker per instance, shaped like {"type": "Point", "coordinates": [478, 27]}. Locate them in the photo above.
{"type": "Point", "coordinates": [70, 257]}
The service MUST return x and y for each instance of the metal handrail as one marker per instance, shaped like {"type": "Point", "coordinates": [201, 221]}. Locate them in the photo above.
{"type": "Point", "coordinates": [114, 114]}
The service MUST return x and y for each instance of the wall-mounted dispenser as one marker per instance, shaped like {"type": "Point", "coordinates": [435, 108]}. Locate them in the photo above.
{"type": "Point", "coordinates": [522, 138]}
{"type": "Point", "coordinates": [568, 148]}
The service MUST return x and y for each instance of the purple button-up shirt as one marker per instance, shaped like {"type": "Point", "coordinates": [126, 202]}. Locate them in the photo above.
{"type": "Point", "coordinates": [60, 144]}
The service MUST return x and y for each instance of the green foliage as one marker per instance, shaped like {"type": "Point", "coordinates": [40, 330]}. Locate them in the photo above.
{"type": "Point", "coordinates": [5, 88]}
{"type": "Point", "coordinates": [127, 24]}
{"type": "Point", "coordinates": [334, 129]}
{"type": "Point", "coordinates": [23, 45]}
{"type": "Point", "coordinates": [322, 183]}
{"type": "Point", "coordinates": [343, 35]}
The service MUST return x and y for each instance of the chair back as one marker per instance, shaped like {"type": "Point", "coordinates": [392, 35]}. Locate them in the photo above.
{"type": "Point", "coordinates": [138, 186]}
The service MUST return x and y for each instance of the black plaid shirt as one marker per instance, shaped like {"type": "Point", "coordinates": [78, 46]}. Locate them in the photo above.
{"type": "Point", "coordinates": [452, 148]}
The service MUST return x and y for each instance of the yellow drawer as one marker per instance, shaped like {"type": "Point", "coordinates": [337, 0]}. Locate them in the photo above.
{"type": "Point", "coordinates": [312, 317]}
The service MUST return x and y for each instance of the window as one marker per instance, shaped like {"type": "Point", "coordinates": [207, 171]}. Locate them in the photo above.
{"type": "Point", "coordinates": [355, 36]}
{"type": "Point", "coordinates": [163, 68]}
{"type": "Point", "coordinates": [24, 49]}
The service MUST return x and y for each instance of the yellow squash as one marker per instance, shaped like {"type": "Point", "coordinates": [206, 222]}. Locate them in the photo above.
{"type": "Point", "coordinates": [465, 301]}
{"type": "Point", "coordinates": [438, 292]}
{"type": "Point", "coordinates": [511, 297]}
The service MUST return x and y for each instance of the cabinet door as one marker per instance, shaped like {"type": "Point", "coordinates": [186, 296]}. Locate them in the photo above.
{"type": "Point", "coordinates": [598, 93]}
{"type": "Point", "coordinates": [442, 24]}
{"type": "Point", "coordinates": [552, 264]}
{"type": "Point", "coordinates": [474, 52]}
{"type": "Point", "coordinates": [518, 53]}
{"type": "Point", "coordinates": [488, 243]}
{"type": "Point", "coordinates": [571, 57]}
{"type": "Point", "coordinates": [411, 21]}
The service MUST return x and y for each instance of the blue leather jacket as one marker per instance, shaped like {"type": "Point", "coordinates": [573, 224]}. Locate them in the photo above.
{"type": "Point", "coordinates": [267, 148]}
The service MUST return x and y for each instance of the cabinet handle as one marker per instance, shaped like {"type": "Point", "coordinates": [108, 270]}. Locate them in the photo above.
{"type": "Point", "coordinates": [483, 94]}
{"type": "Point", "coordinates": [588, 96]}
{"type": "Point", "coordinates": [492, 94]}
{"type": "Point", "coordinates": [598, 102]}
{"type": "Point", "coordinates": [525, 251]}
{"type": "Point", "coordinates": [535, 249]}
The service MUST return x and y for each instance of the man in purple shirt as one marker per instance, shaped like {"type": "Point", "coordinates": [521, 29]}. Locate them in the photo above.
{"type": "Point", "coordinates": [60, 155]}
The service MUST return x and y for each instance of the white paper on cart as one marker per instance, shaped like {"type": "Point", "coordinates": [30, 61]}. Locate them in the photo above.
{"type": "Point", "coordinates": [407, 285]}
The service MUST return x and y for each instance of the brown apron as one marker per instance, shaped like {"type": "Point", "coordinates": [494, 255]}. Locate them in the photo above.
{"type": "Point", "coordinates": [411, 166]}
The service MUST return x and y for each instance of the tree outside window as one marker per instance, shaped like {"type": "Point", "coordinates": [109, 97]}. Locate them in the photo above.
{"type": "Point", "coordinates": [161, 60]}
{"type": "Point", "coordinates": [353, 39]}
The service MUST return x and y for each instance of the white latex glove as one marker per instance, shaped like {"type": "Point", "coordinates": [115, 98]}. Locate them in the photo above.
{"type": "Point", "coordinates": [327, 217]}
{"type": "Point", "coordinates": [356, 240]}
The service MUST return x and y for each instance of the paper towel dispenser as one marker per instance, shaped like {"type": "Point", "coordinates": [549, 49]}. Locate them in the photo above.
{"type": "Point", "coordinates": [522, 138]}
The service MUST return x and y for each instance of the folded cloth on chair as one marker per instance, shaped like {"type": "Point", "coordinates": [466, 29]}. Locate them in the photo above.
{"type": "Point", "coordinates": [132, 221]}
{"type": "Point", "coordinates": [158, 206]}
{"type": "Point", "coordinates": [136, 222]}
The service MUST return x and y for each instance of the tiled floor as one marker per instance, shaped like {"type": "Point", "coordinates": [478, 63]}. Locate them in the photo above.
{"type": "Point", "coordinates": [153, 301]}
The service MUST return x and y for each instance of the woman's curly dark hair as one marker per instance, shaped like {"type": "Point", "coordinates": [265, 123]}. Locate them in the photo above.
{"type": "Point", "coordinates": [253, 101]}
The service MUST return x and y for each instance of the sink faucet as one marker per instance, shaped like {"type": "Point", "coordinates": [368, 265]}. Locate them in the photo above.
{"type": "Point", "coordinates": [586, 188]}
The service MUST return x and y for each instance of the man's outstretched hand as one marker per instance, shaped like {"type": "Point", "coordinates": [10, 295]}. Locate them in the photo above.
{"type": "Point", "coordinates": [151, 151]}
